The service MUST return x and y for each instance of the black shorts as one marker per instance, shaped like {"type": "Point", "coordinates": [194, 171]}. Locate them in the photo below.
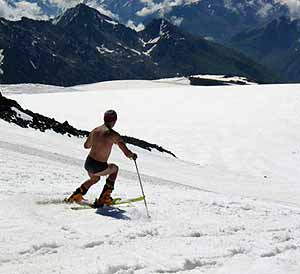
{"type": "Point", "coordinates": [94, 166]}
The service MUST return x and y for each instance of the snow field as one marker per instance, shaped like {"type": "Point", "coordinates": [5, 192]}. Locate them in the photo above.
{"type": "Point", "coordinates": [191, 231]}
{"type": "Point", "coordinates": [238, 139]}
{"type": "Point", "coordinates": [212, 210]}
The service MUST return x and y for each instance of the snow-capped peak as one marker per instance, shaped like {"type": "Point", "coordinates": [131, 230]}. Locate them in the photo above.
{"type": "Point", "coordinates": [83, 13]}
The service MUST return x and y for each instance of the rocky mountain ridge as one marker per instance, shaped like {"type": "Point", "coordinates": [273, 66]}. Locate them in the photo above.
{"type": "Point", "coordinates": [85, 46]}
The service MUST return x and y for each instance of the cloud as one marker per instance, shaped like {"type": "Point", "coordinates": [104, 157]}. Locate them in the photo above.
{"type": "Point", "coordinates": [265, 9]}
{"type": "Point", "coordinates": [94, 4]}
{"type": "Point", "coordinates": [162, 8]}
{"type": "Point", "coordinates": [176, 20]}
{"type": "Point", "coordinates": [293, 5]}
{"type": "Point", "coordinates": [135, 27]}
{"type": "Point", "coordinates": [21, 8]}
{"type": "Point", "coordinates": [14, 10]}
{"type": "Point", "coordinates": [62, 4]}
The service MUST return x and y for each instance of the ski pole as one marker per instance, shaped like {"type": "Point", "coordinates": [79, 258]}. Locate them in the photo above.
{"type": "Point", "coordinates": [137, 170]}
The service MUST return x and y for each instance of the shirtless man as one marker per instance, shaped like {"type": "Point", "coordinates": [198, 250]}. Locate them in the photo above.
{"type": "Point", "coordinates": [100, 142]}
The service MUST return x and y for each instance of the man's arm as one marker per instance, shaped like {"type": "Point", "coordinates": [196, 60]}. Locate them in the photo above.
{"type": "Point", "coordinates": [88, 142]}
{"type": "Point", "coordinates": [128, 153]}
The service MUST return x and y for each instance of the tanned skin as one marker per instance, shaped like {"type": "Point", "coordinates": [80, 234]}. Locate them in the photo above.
{"type": "Point", "coordinates": [100, 142]}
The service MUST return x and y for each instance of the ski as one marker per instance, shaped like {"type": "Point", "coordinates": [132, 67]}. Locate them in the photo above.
{"type": "Point", "coordinates": [116, 201]}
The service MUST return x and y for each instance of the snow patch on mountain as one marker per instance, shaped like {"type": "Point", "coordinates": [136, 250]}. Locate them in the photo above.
{"type": "Point", "coordinates": [163, 32]}
{"type": "Point", "coordinates": [112, 22]}
{"type": "Point", "coordinates": [148, 52]}
{"type": "Point", "coordinates": [33, 65]}
{"type": "Point", "coordinates": [130, 49]}
{"type": "Point", "coordinates": [1, 60]}
{"type": "Point", "coordinates": [104, 50]}
{"type": "Point", "coordinates": [153, 41]}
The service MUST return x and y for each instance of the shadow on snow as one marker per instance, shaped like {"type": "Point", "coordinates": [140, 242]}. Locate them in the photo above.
{"type": "Point", "coordinates": [113, 212]}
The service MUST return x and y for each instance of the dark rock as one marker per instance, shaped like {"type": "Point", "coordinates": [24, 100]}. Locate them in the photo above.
{"type": "Point", "coordinates": [44, 123]}
{"type": "Point", "coordinates": [145, 145]}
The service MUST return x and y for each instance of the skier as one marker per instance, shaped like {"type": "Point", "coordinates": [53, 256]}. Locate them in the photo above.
{"type": "Point", "coordinates": [100, 142]}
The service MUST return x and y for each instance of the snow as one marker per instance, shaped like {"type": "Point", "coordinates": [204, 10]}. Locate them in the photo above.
{"type": "Point", "coordinates": [111, 22]}
{"type": "Point", "coordinates": [130, 49]}
{"type": "Point", "coordinates": [22, 115]}
{"type": "Point", "coordinates": [225, 78]}
{"type": "Point", "coordinates": [33, 65]}
{"type": "Point", "coordinates": [163, 32]}
{"type": "Point", "coordinates": [1, 60]}
{"type": "Point", "coordinates": [228, 204]}
{"type": "Point", "coordinates": [104, 50]}
{"type": "Point", "coordinates": [135, 51]}
{"type": "Point", "coordinates": [148, 52]}
{"type": "Point", "coordinates": [32, 89]}
{"type": "Point", "coordinates": [153, 41]}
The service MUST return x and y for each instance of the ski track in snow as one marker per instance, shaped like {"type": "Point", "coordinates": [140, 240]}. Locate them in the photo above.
{"type": "Point", "coordinates": [56, 157]}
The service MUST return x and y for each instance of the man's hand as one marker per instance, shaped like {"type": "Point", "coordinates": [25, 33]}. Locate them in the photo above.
{"type": "Point", "coordinates": [133, 156]}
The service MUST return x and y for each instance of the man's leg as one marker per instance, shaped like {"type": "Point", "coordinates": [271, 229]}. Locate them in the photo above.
{"type": "Point", "coordinates": [93, 180]}
{"type": "Point", "coordinates": [105, 196]}
{"type": "Point", "coordinates": [83, 189]}
{"type": "Point", "coordinates": [112, 171]}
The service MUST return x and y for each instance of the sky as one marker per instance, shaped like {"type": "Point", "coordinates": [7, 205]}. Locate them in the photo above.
{"type": "Point", "coordinates": [42, 9]}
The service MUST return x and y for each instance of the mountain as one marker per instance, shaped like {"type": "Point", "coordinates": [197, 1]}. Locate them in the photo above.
{"type": "Point", "coordinates": [221, 19]}
{"type": "Point", "coordinates": [276, 45]}
{"type": "Point", "coordinates": [217, 19]}
{"type": "Point", "coordinates": [181, 53]}
{"type": "Point", "coordinates": [83, 46]}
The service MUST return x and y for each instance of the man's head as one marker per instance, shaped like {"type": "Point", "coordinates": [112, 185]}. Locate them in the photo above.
{"type": "Point", "coordinates": [110, 118]}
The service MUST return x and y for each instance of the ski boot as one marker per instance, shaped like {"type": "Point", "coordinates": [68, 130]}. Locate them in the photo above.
{"type": "Point", "coordinates": [105, 197]}
{"type": "Point", "coordinates": [77, 195]}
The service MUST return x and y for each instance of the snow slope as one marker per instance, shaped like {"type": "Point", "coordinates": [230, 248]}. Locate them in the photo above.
{"type": "Point", "coordinates": [228, 204]}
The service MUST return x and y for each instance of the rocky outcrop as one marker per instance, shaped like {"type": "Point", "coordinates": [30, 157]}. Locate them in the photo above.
{"type": "Point", "coordinates": [12, 112]}
{"type": "Point", "coordinates": [145, 145]}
